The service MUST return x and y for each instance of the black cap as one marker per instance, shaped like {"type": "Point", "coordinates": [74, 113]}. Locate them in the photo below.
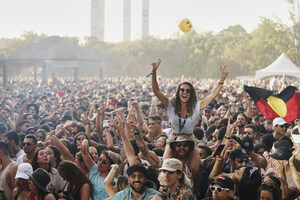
{"type": "Point", "coordinates": [247, 144]}
{"type": "Point", "coordinates": [224, 182]}
{"type": "Point", "coordinates": [238, 153]}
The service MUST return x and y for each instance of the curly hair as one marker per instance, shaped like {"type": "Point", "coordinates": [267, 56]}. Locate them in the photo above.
{"type": "Point", "coordinates": [191, 103]}
{"type": "Point", "coordinates": [249, 184]}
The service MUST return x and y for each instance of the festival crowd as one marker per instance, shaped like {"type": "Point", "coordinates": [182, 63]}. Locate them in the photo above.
{"type": "Point", "coordinates": [145, 138]}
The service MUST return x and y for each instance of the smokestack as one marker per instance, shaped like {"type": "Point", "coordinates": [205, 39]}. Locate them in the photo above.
{"type": "Point", "coordinates": [97, 19]}
{"type": "Point", "coordinates": [145, 18]}
{"type": "Point", "coordinates": [126, 20]}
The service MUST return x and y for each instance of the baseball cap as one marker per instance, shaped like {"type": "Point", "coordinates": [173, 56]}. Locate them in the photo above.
{"type": "Point", "coordinates": [224, 182]}
{"type": "Point", "coordinates": [22, 168]}
{"type": "Point", "coordinates": [238, 153]}
{"type": "Point", "coordinates": [247, 144]}
{"type": "Point", "coordinates": [279, 121]}
{"type": "Point", "coordinates": [171, 164]}
{"type": "Point", "coordinates": [283, 150]}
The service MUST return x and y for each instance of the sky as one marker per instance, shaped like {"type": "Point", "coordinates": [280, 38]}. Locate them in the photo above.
{"type": "Point", "coordinates": [72, 17]}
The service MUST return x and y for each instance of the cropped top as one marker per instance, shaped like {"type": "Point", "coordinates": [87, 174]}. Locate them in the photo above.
{"type": "Point", "coordinates": [190, 122]}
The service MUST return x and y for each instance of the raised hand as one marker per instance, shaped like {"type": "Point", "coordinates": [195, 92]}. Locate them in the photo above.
{"type": "Point", "coordinates": [223, 73]}
{"type": "Point", "coordinates": [155, 65]}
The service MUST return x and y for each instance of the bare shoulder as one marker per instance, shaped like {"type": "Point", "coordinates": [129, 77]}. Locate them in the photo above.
{"type": "Point", "coordinates": [49, 197]}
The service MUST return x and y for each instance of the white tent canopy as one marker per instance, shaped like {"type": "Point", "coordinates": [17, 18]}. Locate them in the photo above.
{"type": "Point", "coordinates": [283, 65]}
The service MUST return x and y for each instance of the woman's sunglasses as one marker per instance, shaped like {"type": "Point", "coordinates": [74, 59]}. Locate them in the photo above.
{"type": "Point", "coordinates": [103, 161]}
{"type": "Point", "coordinates": [186, 90]}
{"type": "Point", "coordinates": [219, 189]}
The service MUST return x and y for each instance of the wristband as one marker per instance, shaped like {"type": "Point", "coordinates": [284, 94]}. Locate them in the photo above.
{"type": "Point", "coordinates": [152, 73]}
{"type": "Point", "coordinates": [221, 83]}
{"type": "Point", "coordinates": [135, 132]}
{"type": "Point", "coordinates": [227, 137]}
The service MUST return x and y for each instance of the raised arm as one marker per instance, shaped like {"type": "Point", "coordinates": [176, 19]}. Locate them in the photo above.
{"type": "Point", "coordinates": [63, 150]}
{"type": "Point", "coordinates": [109, 181]}
{"type": "Point", "coordinates": [216, 90]}
{"type": "Point", "coordinates": [84, 149]}
{"type": "Point", "coordinates": [155, 87]}
{"type": "Point", "coordinates": [129, 151]}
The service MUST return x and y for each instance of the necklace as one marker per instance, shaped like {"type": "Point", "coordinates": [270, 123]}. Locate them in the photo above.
{"type": "Point", "coordinates": [181, 125]}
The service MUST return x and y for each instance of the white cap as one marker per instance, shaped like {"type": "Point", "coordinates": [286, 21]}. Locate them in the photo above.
{"type": "Point", "coordinates": [279, 121]}
{"type": "Point", "coordinates": [22, 168]}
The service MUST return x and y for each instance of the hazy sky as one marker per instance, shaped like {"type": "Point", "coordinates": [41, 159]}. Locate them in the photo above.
{"type": "Point", "coordinates": [72, 17]}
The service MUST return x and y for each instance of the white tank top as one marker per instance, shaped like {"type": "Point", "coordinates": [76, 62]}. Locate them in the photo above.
{"type": "Point", "coordinates": [190, 122]}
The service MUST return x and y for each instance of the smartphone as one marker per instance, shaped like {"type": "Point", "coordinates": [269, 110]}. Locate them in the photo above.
{"type": "Point", "coordinates": [105, 123]}
{"type": "Point", "coordinates": [219, 150]}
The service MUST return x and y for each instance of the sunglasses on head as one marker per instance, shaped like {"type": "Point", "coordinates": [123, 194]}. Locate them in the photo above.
{"type": "Point", "coordinates": [103, 161]}
{"type": "Point", "coordinates": [283, 125]}
{"type": "Point", "coordinates": [219, 189]}
{"type": "Point", "coordinates": [186, 90]}
{"type": "Point", "coordinates": [178, 144]}
{"type": "Point", "coordinates": [26, 144]}
{"type": "Point", "coordinates": [267, 185]}
{"type": "Point", "coordinates": [243, 160]}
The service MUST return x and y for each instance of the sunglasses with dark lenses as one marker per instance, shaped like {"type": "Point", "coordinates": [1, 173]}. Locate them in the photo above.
{"type": "Point", "coordinates": [219, 189]}
{"type": "Point", "coordinates": [248, 132]}
{"type": "Point", "coordinates": [186, 90]}
{"type": "Point", "coordinates": [243, 160]}
{"type": "Point", "coordinates": [178, 144]}
{"type": "Point", "coordinates": [284, 125]}
{"type": "Point", "coordinates": [103, 161]}
{"type": "Point", "coordinates": [26, 144]}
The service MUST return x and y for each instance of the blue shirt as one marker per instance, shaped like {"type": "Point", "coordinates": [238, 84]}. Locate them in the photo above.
{"type": "Point", "coordinates": [127, 195]}
{"type": "Point", "coordinates": [98, 192]}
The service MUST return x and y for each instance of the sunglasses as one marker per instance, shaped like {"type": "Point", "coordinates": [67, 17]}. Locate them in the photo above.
{"type": "Point", "coordinates": [284, 125]}
{"type": "Point", "coordinates": [186, 90]}
{"type": "Point", "coordinates": [26, 144]}
{"type": "Point", "coordinates": [164, 124]}
{"type": "Point", "coordinates": [248, 132]}
{"type": "Point", "coordinates": [243, 160]}
{"type": "Point", "coordinates": [103, 161]}
{"type": "Point", "coordinates": [266, 185]}
{"type": "Point", "coordinates": [178, 144]}
{"type": "Point", "coordinates": [219, 189]}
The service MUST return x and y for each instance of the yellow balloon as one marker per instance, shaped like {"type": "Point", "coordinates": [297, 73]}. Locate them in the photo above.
{"type": "Point", "coordinates": [185, 25]}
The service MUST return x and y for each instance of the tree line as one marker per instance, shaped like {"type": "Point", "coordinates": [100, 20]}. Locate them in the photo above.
{"type": "Point", "coordinates": [194, 54]}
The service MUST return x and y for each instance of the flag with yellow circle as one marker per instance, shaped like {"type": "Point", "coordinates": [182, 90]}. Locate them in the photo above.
{"type": "Point", "coordinates": [286, 104]}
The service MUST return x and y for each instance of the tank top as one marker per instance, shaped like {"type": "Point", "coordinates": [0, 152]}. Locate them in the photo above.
{"type": "Point", "coordinates": [189, 123]}
{"type": "Point", "coordinates": [3, 183]}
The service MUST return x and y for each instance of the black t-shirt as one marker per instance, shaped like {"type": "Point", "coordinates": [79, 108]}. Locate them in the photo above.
{"type": "Point", "coordinates": [268, 140]}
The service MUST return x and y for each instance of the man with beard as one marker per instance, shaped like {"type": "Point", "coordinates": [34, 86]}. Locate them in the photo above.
{"type": "Point", "coordinates": [241, 122]}
{"type": "Point", "coordinates": [137, 180]}
{"type": "Point", "coordinates": [29, 146]}
{"type": "Point", "coordinates": [182, 146]}
{"type": "Point", "coordinates": [279, 130]}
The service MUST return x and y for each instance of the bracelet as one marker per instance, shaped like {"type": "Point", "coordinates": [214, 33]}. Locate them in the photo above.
{"type": "Point", "coordinates": [135, 132]}
{"type": "Point", "coordinates": [152, 73]}
{"type": "Point", "coordinates": [227, 137]}
{"type": "Point", "coordinates": [220, 82]}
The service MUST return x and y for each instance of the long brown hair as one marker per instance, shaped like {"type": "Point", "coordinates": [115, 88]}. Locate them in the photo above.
{"type": "Point", "coordinates": [73, 173]}
{"type": "Point", "coordinates": [191, 103]}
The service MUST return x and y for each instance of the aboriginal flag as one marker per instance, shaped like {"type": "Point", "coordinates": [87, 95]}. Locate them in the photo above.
{"type": "Point", "coordinates": [286, 104]}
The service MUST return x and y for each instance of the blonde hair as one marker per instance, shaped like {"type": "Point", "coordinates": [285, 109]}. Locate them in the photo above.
{"type": "Point", "coordinates": [184, 179]}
